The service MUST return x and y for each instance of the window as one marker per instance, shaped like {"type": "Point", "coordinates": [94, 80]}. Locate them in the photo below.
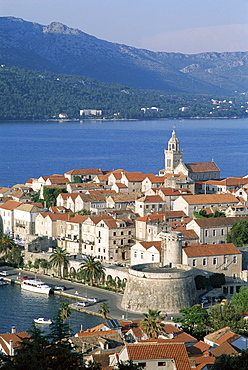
{"type": "Point", "coordinates": [114, 242]}
{"type": "Point", "coordinates": [194, 263]}
{"type": "Point", "coordinates": [222, 232]}
{"type": "Point", "coordinates": [122, 232]}
{"type": "Point", "coordinates": [225, 260]}
{"type": "Point", "coordinates": [99, 234]}
{"type": "Point", "coordinates": [204, 262]}
{"type": "Point", "coordinates": [135, 254]}
{"type": "Point", "coordinates": [91, 248]}
{"type": "Point", "coordinates": [142, 255]}
{"type": "Point", "coordinates": [214, 232]}
{"type": "Point", "coordinates": [162, 363]}
{"type": "Point", "coordinates": [114, 233]}
{"type": "Point", "coordinates": [235, 259]}
{"type": "Point", "coordinates": [234, 276]}
{"type": "Point", "coordinates": [214, 261]}
{"type": "Point", "coordinates": [99, 249]}
{"type": "Point", "coordinates": [129, 232]}
{"type": "Point", "coordinates": [142, 364]}
{"type": "Point", "coordinates": [152, 257]}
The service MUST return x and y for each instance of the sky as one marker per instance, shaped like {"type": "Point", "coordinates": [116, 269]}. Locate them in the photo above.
{"type": "Point", "coordinates": [186, 26]}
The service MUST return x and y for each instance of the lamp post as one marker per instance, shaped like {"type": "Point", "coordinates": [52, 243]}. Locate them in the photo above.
{"type": "Point", "coordinates": [127, 307]}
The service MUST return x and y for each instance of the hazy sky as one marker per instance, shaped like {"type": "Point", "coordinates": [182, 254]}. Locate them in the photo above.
{"type": "Point", "coordinates": [187, 26]}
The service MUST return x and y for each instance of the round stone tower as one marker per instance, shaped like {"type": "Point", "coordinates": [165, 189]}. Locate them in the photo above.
{"type": "Point", "coordinates": [166, 286]}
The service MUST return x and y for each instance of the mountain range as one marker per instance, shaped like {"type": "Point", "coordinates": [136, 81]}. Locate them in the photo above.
{"type": "Point", "coordinates": [60, 49]}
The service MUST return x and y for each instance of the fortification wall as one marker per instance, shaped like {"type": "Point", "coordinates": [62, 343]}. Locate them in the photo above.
{"type": "Point", "coordinates": [163, 291]}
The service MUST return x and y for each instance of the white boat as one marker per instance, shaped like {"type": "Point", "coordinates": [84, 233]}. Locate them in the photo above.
{"type": "Point", "coordinates": [41, 320]}
{"type": "Point", "coordinates": [3, 282]}
{"type": "Point", "coordinates": [36, 286]}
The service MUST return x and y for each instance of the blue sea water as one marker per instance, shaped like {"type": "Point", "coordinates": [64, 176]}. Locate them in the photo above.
{"type": "Point", "coordinates": [18, 308]}
{"type": "Point", "coordinates": [33, 149]}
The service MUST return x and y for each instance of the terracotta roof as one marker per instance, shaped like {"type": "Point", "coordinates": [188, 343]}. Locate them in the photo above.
{"type": "Point", "coordinates": [26, 207]}
{"type": "Point", "coordinates": [210, 250]}
{"type": "Point", "coordinates": [88, 171]}
{"type": "Point", "coordinates": [96, 219]}
{"type": "Point", "coordinates": [4, 190]}
{"type": "Point", "coordinates": [120, 185]}
{"type": "Point", "coordinates": [15, 337]}
{"type": "Point", "coordinates": [56, 216]}
{"type": "Point", "coordinates": [229, 181]}
{"type": "Point", "coordinates": [58, 180]}
{"type": "Point", "coordinates": [155, 179]}
{"type": "Point", "coordinates": [214, 336]}
{"type": "Point", "coordinates": [223, 348]}
{"type": "Point", "coordinates": [156, 351]}
{"type": "Point", "coordinates": [156, 244]}
{"type": "Point", "coordinates": [10, 205]}
{"type": "Point", "coordinates": [151, 199]}
{"type": "Point", "coordinates": [174, 192]}
{"type": "Point", "coordinates": [199, 348]}
{"type": "Point", "coordinates": [202, 167]}
{"type": "Point", "coordinates": [124, 197]}
{"type": "Point", "coordinates": [210, 199]}
{"type": "Point", "coordinates": [189, 234]}
{"type": "Point", "coordinates": [136, 176]}
{"type": "Point", "coordinates": [78, 219]}
{"type": "Point", "coordinates": [218, 221]}
{"type": "Point", "coordinates": [228, 337]}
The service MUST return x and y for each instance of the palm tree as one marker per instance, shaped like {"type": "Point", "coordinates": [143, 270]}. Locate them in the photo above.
{"type": "Point", "coordinates": [92, 269]}
{"type": "Point", "coordinates": [152, 323]}
{"type": "Point", "coordinates": [64, 311]}
{"type": "Point", "coordinates": [59, 259]}
{"type": "Point", "coordinates": [6, 243]}
{"type": "Point", "coordinates": [104, 310]}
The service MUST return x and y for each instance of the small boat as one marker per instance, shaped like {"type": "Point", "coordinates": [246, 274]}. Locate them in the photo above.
{"type": "Point", "coordinates": [41, 320]}
{"type": "Point", "coordinates": [3, 282]}
{"type": "Point", "coordinates": [36, 286]}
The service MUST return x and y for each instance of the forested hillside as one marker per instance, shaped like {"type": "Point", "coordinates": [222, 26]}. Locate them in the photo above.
{"type": "Point", "coordinates": [29, 94]}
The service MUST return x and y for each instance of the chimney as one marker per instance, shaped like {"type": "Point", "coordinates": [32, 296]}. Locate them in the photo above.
{"type": "Point", "coordinates": [11, 349]}
{"type": "Point", "coordinates": [13, 329]}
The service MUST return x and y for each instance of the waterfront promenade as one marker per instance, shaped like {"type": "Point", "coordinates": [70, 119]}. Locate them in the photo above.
{"type": "Point", "coordinates": [78, 291]}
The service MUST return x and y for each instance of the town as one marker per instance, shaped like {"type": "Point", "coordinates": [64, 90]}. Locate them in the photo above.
{"type": "Point", "coordinates": [171, 238]}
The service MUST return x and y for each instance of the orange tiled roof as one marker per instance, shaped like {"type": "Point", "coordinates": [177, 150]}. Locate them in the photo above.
{"type": "Point", "coordinates": [210, 199]}
{"type": "Point", "coordinates": [10, 205]}
{"type": "Point", "coordinates": [202, 167]}
{"type": "Point", "coordinates": [87, 171]}
{"type": "Point", "coordinates": [199, 348]}
{"type": "Point", "coordinates": [156, 351]}
{"type": "Point", "coordinates": [136, 176]}
{"type": "Point", "coordinates": [223, 348]}
{"type": "Point", "coordinates": [156, 244]}
{"type": "Point", "coordinates": [211, 250]}
{"type": "Point", "coordinates": [218, 221]}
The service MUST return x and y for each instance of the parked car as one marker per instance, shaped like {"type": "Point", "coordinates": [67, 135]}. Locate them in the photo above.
{"type": "Point", "coordinates": [83, 303]}
{"type": "Point", "coordinates": [204, 300]}
{"type": "Point", "coordinates": [59, 287]}
{"type": "Point", "coordinates": [25, 277]}
{"type": "Point", "coordinates": [4, 273]}
{"type": "Point", "coordinates": [93, 300]}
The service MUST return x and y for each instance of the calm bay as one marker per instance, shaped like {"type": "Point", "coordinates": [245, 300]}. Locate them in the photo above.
{"type": "Point", "coordinates": [19, 308]}
{"type": "Point", "coordinates": [33, 149]}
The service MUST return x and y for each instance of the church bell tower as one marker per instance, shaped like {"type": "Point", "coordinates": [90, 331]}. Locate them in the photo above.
{"type": "Point", "coordinates": [173, 155]}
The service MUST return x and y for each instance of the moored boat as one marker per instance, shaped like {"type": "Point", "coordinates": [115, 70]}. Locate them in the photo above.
{"type": "Point", "coordinates": [3, 282]}
{"type": "Point", "coordinates": [36, 286]}
{"type": "Point", "coordinates": [41, 320]}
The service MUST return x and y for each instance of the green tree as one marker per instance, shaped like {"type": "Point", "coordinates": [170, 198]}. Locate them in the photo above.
{"type": "Point", "coordinates": [50, 195]}
{"type": "Point", "coordinates": [217, 280]}
{"type": "Point", "coordinates": [77, 180]}
{"type": "Point", "coordinates": [64, 311]}
{"type": "Point", "coordinates": [194, 321]}
{"type": "Point", "coordinates": [44, 264]}
{"type": "Point", "coordinates": [238, 235]}
{"type": "Point", "coordinates": [59, 259]}
{"type": "Point", "coordinates": [201, 282]}
{"type": "Point", "coordinates": [127, 365]}
{"type": "Point", "coordinates": [6, 244]}
{"type": "Point", "coordinates": [92, 269]}
{"type": "Point", "coordinates": [226, 314]}
{"type": "Point", "coordinates": [240, 300]}
{"type": "Point", "coordinates": [104, 310]}
{"type": "Point", "coordinates": [230, 362]}
{"type": "Point", "coordinates": [152, 323]}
